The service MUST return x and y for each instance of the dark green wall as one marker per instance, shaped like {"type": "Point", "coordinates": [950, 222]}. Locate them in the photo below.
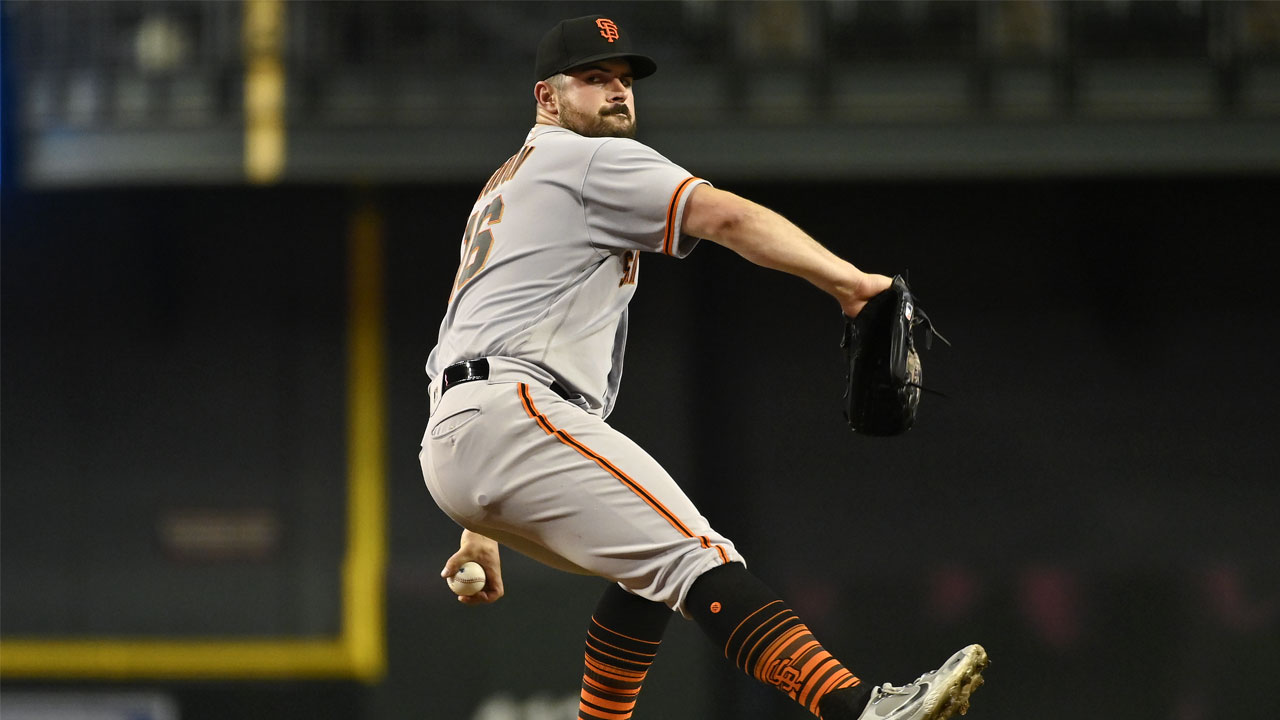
{"type": "Point", "coordinates": [1093, 502]}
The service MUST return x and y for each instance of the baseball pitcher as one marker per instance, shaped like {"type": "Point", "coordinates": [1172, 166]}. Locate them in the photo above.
{"type": "Point", "coordinates": [526, 370]}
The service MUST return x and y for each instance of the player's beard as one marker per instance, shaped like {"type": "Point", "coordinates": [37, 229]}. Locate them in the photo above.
{"type": "Point", "coordinates": [598, 124]}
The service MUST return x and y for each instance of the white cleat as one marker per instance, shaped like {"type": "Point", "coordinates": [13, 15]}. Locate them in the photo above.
{"type": "Point", "coordinates": [935, 695]}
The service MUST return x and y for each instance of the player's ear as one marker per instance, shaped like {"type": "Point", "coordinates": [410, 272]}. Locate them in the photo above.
{"type": "Point", "coordinates": [545, 96]}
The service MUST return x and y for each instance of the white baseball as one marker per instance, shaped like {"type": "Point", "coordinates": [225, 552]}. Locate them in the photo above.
{"type": "Point", "coordinates": [469, 579]}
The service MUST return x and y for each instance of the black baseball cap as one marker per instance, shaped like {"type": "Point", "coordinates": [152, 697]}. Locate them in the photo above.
{"type": "Point", "coordinates": [582, 40]}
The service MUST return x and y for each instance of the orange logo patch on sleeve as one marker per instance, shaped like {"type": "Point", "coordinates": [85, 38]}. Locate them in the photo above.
{"type": "Point", "coordinates": [608, 30]}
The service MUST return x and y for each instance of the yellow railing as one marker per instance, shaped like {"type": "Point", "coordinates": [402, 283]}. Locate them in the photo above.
{"type": "Point", "coordinates": [359, 649]}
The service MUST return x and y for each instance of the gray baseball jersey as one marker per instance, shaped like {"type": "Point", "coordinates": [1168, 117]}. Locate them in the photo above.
{"type": "Point", "coordinates": [550, 259]}
{"type": "Point", "coordinates": [551, 256]}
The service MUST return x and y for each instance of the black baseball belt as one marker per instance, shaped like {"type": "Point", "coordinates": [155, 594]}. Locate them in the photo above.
{"type": "Point", "coordinates": [473, 370]}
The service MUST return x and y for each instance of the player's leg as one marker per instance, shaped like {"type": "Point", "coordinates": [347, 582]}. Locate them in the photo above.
{"type": "Point", "coordinates": [765, 639]}
{"type": "Point", "coordinates": [622, 641]}
{"type": "Point", "coordinates": [591, 497]}
{"type": "Point", "coordinates": [546, 479]}
{"type": "Point", "coordinates": [762, 637]}
{"type": "Point", "coordinates": [555, 482]}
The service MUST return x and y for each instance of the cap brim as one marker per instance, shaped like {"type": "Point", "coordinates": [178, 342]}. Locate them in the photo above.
{"type": "Point", "coordinates": [642, 66]}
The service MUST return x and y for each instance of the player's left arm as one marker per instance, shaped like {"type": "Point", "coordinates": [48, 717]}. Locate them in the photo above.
{"type": "Point", "coordinates": [474, 547]}
{"type": "Point", "coordinates": [768, 239]}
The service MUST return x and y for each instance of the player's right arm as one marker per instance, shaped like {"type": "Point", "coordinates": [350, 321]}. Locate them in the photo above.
{"type": "Point", "coordinates": [474, 547]}
{"type": "Point", "coordinates": [767, 239]}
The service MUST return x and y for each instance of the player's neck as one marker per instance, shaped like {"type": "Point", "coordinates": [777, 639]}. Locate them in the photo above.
{"type": "Point", "coordinates": [545, 118]}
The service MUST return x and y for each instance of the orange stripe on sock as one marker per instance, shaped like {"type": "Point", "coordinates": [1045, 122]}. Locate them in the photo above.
{"type": "Point", "coordinates": [776, 650]}
{"type": "Point", "coordinates": [598, 641]}
{"type": "Point", "coordinates": [739, 659]}
{"type": "Point", "coordinates": [628, 674]}
{"type": "Point", "coordinates": [613, 672]}
{"type": "Point", "coordinates": [832, 684]}
{"type": "Point", "coordinates": [744, 622]}
{"type": "Point", "coordinates": [781, 645]}
{"type": "Point", "coordinates": [810, 660]}
{"type": "Point", "coordinates": [607, 704]}
{"type": "Point", "coordinates": [615, 632]}
{"type": "Point", "coordinates": [821, 677]}
{"type": "Point", "coordinates": [617, 657]}
{"type": "Point", "coordinates": [604, 683]}
{"type": "Point", "coordinates": [612, 469]}
{"type": "Point", "coordinates": [598, 686]}
{"type": "Point", "coordinates": [607, 677]}
{"type": "Point", "coordinates": [810, 654]}
{"type": "Point", "coordinates": [583, 709]}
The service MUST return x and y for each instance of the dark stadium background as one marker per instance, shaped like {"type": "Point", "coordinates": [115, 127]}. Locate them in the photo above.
{"type": "Point", "coordinates": [1087, 210]}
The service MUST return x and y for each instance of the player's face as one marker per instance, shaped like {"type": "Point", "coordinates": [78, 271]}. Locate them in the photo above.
{"type": "Point", "coordinates": [596, 100]}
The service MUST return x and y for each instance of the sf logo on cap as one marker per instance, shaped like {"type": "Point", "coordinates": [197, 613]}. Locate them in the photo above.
{"type": "Point", "coordinates": [608, 30]}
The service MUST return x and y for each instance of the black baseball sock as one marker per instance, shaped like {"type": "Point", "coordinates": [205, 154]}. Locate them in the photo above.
{"type": "Point", "coordinates": [764, 638]}
{"type": "Point", "coordinates": [622, 641]}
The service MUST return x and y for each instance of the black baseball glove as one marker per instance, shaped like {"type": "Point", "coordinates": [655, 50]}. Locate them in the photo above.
{"type": "Point", "coordinates": [883, 386]}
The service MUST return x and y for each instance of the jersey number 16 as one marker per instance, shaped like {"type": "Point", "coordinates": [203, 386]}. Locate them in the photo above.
{"type": "Point", "coordinates": [476, 245]}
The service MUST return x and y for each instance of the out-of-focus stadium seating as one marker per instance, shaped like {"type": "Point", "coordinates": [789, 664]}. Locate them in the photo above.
{"type": "Point", "coordinates": [366, 70]}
